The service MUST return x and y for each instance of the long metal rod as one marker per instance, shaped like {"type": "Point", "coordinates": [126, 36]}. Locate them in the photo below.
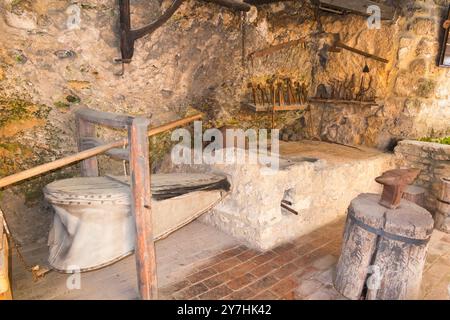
{"type": "Point", "coordinates": [20, 176]}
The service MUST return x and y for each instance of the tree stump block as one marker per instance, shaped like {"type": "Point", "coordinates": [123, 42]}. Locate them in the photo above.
{"type": "Point", "coordinates": [442, 215]}
{"type": "Point", "coordinates": [384, 250]}
{"type": "Point", "coordinates": [415, 194]}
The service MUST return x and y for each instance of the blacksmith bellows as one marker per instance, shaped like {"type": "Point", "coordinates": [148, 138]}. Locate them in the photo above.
{"type": "Point", "coordinates": [94, 227]}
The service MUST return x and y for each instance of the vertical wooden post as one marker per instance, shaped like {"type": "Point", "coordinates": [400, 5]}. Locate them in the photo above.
{"type": "Point", "coordinates": [141, 207]}
{"type": "Point", "coordinates": [89, 167]}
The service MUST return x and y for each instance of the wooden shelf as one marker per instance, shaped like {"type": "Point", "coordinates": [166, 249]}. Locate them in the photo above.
{"type": "Point", "coordinates": [270, 108]}
{"type": "Point", "coordinates": [337, 101]}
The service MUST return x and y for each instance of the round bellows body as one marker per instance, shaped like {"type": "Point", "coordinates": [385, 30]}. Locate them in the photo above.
{"type": "Point", "coordinates": [93, 225]}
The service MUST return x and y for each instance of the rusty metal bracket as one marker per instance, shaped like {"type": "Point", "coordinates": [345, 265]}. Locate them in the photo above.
{"type": "Point", "coordinates": [128, 36]}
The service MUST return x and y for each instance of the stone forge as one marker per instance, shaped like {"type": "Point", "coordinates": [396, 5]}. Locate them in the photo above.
{"type": "Point", "coordinates": [317, 179]}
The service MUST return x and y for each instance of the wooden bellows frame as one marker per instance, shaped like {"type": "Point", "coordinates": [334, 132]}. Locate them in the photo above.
{"type": "Point", "coordinates": [138, 155]}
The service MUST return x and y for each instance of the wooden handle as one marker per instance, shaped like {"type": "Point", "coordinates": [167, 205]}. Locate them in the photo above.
{"type": "Point", "coordinates": [174, 124]}
{"type": "Point", "coordinates": [59, 163]}
{"type": "Point", "coordinates": [360, 52]}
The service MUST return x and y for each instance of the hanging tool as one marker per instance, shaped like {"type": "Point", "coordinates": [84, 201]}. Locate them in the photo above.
{"type": "Point", "coordinates": [250, 85]}
{"type": "Point", "coordinates": [262, 94]}
{"type": "Point", "coordinates": [290, 96]}
{"type": "Point", "coordinates": [280, 93]}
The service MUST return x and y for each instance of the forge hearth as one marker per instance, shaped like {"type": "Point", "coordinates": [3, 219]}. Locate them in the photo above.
{"type": "Point", "coordinates": [316, 180]}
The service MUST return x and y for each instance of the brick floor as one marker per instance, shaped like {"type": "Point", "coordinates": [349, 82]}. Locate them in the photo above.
{"type": "Point", "coordinates": [198, 262]}
{"type": "Point", "coordinates": [300, 270]}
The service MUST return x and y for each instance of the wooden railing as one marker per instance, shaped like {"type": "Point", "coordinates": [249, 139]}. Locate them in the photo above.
{"type": "Point", "coordinates": [138, 155]}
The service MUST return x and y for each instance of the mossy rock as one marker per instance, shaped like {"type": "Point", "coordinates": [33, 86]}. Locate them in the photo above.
{"type": "Point", "coordinates": [14, 109]}
{"type": "Point", "coordinates": [444, 140]}
{"type": "Point", "coordinates": [426, 88]}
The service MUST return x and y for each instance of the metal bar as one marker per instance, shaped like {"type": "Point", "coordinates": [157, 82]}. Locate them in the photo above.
{"type": "Point", "coordinates": [360, 52]}
{"type": "Point", "coordinates": [139, 33]}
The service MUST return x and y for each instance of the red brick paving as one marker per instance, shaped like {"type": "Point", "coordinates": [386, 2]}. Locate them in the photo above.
{"type": "Point", "coordinates": [301, 269]}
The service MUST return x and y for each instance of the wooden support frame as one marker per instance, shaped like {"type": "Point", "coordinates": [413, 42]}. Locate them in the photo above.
{"type": "Point", "coordinates": [141, 208]}
{"type": "Point", "coordinates": [138, 134]}
{"type": "Point", "coordinates": [89, 167]}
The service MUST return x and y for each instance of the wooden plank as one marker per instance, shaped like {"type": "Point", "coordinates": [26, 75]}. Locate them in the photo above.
{"type": "Point", "coordinates": [275, 48]}
{"type": "Point", "coordinates": [5, 287]}
{"type": "Point", "coordinates": [108, 119]}
{"type": "Point", "coordinates": [358, 7]}
{"type": "Point", "coordinates": [337, 101]}
{"type": "Point", "coordinates": [269, 108]}
{"type": "Point", "coordinates": [89, 167]}
{"type": "Point", "coordinates": [141, 208]}
{"type": "Point", "coordinates": [116, 153]}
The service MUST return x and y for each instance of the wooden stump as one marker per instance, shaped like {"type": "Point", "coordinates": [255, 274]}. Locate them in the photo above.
{"type": "Point", "coordinates": [384, 250]}
{"type": "Point", "coordinates": [442, 215]}
{"type": "Point", "coordinates": [415, 194]}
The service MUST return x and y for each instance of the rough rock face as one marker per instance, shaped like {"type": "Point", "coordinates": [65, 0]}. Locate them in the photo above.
{"type": "Point", "coordinates": [433, 159]}
{"type": "Point", "coordinates": [56, 55]}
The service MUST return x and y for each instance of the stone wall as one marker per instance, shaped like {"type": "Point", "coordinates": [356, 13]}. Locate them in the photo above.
{"type": "Point", "coordinates": [434, 161]}
{"type": "Point", "coordinates": [198, 60]}
{"type": "Point", "coordinates": [412, 91]}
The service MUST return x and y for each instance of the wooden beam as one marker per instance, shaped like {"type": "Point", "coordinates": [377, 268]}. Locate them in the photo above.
{"type": "Point", "coordinates": [261, 2]}
{"type": "Point", "coordinates": [271, 49]}
{"type": "Point", "coordinates": [23, 175]}
{"type": "Point", "coordinates": [141, 208]}
{"type": "Point", "coordinates": [5, 287]}
{"type": "Point", "coordinates": [360, 52]}
{"type": "Point", "coordinates": [232, 4]}
{"type": "Point", "coordinates": [109, 119]}
{"type": "Point", "coordinates": [89, 167]}
{"type": "Point", "coordinates": [358, 7]}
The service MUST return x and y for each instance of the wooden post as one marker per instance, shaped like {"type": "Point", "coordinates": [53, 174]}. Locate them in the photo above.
{"type": "Point", "coordinates": [384, 249]}
{"type": "Point", "coordinates": [442, 215]}
{"type": "Point", "coordinates": [89, 167]}
{"type": "Point", "coordinates": [141, 208]}
{"type": "Point", "coordinates": [5, 288]}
